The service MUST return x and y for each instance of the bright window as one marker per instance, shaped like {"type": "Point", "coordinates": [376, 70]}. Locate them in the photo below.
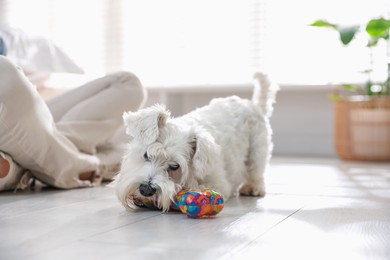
{"type": "Point", "coordinates": [191, 42]}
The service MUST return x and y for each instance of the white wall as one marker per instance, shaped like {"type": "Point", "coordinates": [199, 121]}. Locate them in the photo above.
{"type": "Point", "coordinates": [302, 121]}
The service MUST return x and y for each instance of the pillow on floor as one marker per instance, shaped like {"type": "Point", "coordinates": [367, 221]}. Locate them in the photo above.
{"type": "Point", "coordinates": [37, 56]}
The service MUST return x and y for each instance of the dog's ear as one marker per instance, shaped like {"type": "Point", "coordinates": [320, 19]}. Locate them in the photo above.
{"type": "Point", "coordinates": [206, 154]}
{"type": "Point", "coordinates": [145, 124]}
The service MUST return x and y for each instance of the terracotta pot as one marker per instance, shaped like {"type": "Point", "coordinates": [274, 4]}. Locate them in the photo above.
{"type": "Point", "coordinates": [362, 128]}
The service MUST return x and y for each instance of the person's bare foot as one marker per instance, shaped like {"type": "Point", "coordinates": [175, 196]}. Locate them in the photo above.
{"type": "Point", "coordinates": [10, 172]}
{"type": "Point", "coordinates": [4, 167]}
{"type": "Point", "coordinates": [87, 176]}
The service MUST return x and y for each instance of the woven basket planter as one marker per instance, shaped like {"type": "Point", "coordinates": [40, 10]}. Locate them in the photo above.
{"type": "Point", "coordinates": [362, 128]}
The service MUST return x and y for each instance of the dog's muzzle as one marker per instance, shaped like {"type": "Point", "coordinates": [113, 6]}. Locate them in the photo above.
{"type": "Point", "coordinates": [147, 189]}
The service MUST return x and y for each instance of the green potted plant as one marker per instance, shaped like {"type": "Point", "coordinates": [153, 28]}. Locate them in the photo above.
{"type": "Point", "coordinates": [362, 120]}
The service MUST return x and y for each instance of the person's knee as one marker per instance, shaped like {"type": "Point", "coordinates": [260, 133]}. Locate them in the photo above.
{"type": "Point", "coordinates": [7, 68]}
{"type": "Point", "coordinates": [133, 85]}
{"type": "Point", "coordinates": [10, 75]}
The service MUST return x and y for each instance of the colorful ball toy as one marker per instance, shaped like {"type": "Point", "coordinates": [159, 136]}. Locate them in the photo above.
{"type": "Point", "coordinates": [193, 203]}
{"type": "Point", "coordinates": [199, 203]}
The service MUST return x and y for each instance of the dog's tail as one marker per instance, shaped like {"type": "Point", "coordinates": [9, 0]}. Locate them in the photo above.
{"type": "Point", "coordinates": [264, 93]}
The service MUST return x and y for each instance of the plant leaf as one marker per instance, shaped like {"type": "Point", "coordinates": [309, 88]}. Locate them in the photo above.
{"type": "Point", "coordinates": [350, 87]}
{"type": "Point", "coordinates": [335, 97]}
{"type": "Point", "coordinates": [378, 28]}
{"type": "Point", "coordinates": [323, 23]}
{"type": "Point", "coordinates": [372, 41]}
{"type": "Point", "coordinates": [347, 33]}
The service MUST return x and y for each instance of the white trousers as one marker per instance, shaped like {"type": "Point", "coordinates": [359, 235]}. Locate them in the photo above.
{"type": "Point", "coordinates": [58, 140]}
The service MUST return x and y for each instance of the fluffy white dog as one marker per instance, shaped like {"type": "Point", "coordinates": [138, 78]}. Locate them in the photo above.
{"type": "Point", "coordinates": [224, 146]}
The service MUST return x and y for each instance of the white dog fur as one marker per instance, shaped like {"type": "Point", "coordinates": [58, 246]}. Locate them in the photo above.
{"type": "Point", "coordinates": [224, 146]}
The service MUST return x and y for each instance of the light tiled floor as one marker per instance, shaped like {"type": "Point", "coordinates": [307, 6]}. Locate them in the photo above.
{"type": "Point", "coordinates": [314, 209]}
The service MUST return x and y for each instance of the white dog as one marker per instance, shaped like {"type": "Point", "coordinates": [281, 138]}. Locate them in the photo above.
{"type": "Point", "coordinates": [224, 146]}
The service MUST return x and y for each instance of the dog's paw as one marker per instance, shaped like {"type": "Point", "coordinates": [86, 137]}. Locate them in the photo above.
{"type": "Point", "coordinates": [250, 189]}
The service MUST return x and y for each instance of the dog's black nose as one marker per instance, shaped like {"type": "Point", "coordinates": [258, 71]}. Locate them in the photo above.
{"type": "Point", "coordinates": [146, 189]}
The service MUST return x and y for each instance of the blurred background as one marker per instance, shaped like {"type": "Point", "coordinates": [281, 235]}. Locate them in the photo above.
{"type": "Point", "coordinates": [187, 52]}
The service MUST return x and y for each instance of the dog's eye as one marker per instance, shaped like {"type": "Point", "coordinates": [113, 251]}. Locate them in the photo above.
{"type": "Point", "coordinates": [146, 157]}
{"type": "Point", "coordinates": [173, 167]}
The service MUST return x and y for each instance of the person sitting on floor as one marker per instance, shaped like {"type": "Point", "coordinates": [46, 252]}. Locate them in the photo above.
{"type": "Point", "coordinates": [69, 141]}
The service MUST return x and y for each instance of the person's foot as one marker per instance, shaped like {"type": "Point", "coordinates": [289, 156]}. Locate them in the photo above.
{"type": "Point", "coordinates": [4, 167]}
{"type": "Point", "coordinates": [10, 172]}
{"type": "Point", "coordinates": [110, 157]}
